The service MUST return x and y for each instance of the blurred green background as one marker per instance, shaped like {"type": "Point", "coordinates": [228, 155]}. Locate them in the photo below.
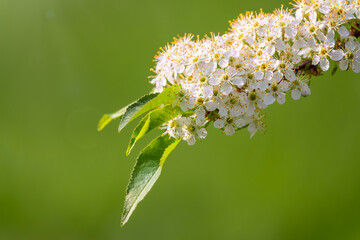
{"type": "Point", "coordinates": [63, 63]}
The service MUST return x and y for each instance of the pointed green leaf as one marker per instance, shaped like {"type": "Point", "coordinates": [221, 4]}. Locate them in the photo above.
{"type": "Point", "coordinates": [152, 121]}
{"type": "Point", "coordinates": [134, 110]}
{"type": "Point", "coordinates": [146, 171]}
{"type": "Point", "coordinates": [334, 70]}
{"type": "Point", "coordinates": [107, 118]}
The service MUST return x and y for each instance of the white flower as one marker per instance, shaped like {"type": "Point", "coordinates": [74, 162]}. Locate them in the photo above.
{"type": "Point", "coordinates": [300, 88]}
{"type": "Point", "coordinates": [225, 78]}
{"type": "Point", "coordinates": [229, 124]}
{"type": "Point", "coordinates": [351, 57]}
{"type": "Point", "coordinates": [275, 93]}
{"type": "Point", "coordinates": [228, 79]}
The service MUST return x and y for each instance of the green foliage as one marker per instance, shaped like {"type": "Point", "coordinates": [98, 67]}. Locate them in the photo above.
{"type": "Point", "coordinates": [151, 121]}
{"type": "Point", "coordinates": [107, 118]}
{"type": "Point", "coordinates": [150, 161]}
{"type": "Point", "coordinates": [144, 105]}
{"type": "Point", "coordinates": [146, 171]}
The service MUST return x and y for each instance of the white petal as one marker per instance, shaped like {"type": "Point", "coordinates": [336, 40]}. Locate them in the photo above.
{"type": "Point", "coordinates": [344, 65]}
{"type": "Point", "coordinates": [191, 140]}
{"type": "Point", "coordinates": [336, 55]}
{"type": "Point", "coordinates": [299, 14]}
{"type": "Point", "coordinates": [343, 32]}
{"type": "Point", "coordinates": [240, 122]}
{"type": "Point", "coordinates": [324, 64]}
{"type": "Point", "coordinates": [200, 113]}
{"type": "Point", "coordinates": [208, 90]}
{"type": "Point", "coordinates": [281, 98]}
{"type": "Point", "coordinates": [200, 121]}
{"type": "Point", "coordinates": [219, 123]}
{"type": "Point", "coordinates": [313, 16]}
{"type": "Point", "coordinates": [223, 63]}
{"type": "Point", "coordinates": [238, 81]}
{"type": "Point", "coordinates": [269, 75]}
{"type": "Point", "coordinates": [236, 111]}
{"type": "Point", "coordinates": [252, 129]}
{"type": "Point", "coordinates": [280, 45]}
{"type": "Point", "coordinates": [180, 69]}
{"type": "Point", "coordinates": [290, 31]}
{"type": "Point", "coordinates": [330, 35]}
{"type": "Point", "coordinates": [211, 68]}
{"type": "Point", "coordinates": [202, 133]}
{"type": "Point", "coordinates": [299, 44]}
{"type": "Point", "coordinates": [296, 94]}
{"type": "Point", "coordinates": [223, 111]}
{"type": "Point", "coordinates": [262, 85]}
{"type": "Point", "coordinates": [355, 66]}
{"type": "Point", "coordinates": [349, 45]}
{"type": "Point", "coordinates": [184, 106]}
{"type": "Point", "coordinates": [261, 104]}
{"type": "Point", "coordinates": [211, 106]}
{"type": "Point", "coordinates": [277, 76]}
{"type": "Point", "coordinates": [305, 90]}
{"type": "Point", "coordinates": [214, 81]}
{"type": "Point", "coordinates": [312, 42]}
{"type": "Point", "coordinates": [269, 99]}
{"type": "Point", "coordinates": [226, 88]}
{"type": "Point", "coordinates": [315, 60]}
{"type": "Point", "coordinates": [325, 8]}
{"type": "Point", "coordinates": [284, 86]}
{"type": "Point", "coordinates": [258, 75]}
{"type": "Point", "coordinates": [250, 110]}
{"type": "Point", "coordinates": [229, 130]}
{"type": "Point", "coordinates": [189, 70]}
{"type": "Point", "coordinates": [290, 75]}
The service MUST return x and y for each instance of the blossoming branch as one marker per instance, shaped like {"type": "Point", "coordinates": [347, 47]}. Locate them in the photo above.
{"type": "Point", "coordinates": [226, 80]}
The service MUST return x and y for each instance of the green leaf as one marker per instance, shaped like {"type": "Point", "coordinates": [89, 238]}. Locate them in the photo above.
{"type": "Point", "coordinates": [151, 121]}
{"type": "Point", "coordinates": [334, 70]}
{"type": "Point", "coordinates": [107, 118]}
{"type": "Point", "coordinates": [146, 171]}
{"type": "Point", "coordinates": [169, 95]}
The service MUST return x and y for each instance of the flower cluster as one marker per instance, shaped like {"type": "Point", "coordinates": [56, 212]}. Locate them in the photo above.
{"type": "Point", "coordinates": [228, 79]}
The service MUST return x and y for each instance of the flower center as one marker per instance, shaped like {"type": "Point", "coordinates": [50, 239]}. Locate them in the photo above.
{"type": "Point", "coordinates": [191, 129]}
{"type": "Point", "coordinates": [259, 53]}
{"type": "Point", "coordinates": [274, 88]}
{"type": "Point", "coordinates": [323, 51]}
{"type": "Point", "coordinates": [340, 11]}
{"type": "Point", "coordinates": [264, 66]}
{"type": "Point", "coordinates": [229, 120]}
{"type": "Point", "coordinates": [217, 55]}
{"type": "Point", "coordinates": [200, 101]}
{"type": "Point", "coordinates": [233, 101]}
{"type": "Point", "coordinates": [350, 55]}
{"type": "Point", "coordinates": [252, 96]}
